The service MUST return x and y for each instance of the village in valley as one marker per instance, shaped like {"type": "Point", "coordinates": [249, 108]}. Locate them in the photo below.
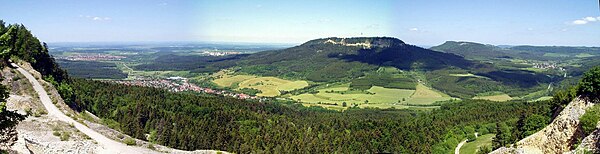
{"type": "Point", "coordinates": [180, 84]}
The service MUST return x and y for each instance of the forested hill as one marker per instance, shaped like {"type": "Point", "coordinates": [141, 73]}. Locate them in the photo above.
{"type": "Point", "coordinates": [17, 43]}
{"type": "Point", "coordinates": [479, 51]}
{"type": "Point", "coordinates": [380, 51]}
{"type": "Point", "coordinates": [326, 59]}
{"type": "Point", "coordinates": [471, 49]}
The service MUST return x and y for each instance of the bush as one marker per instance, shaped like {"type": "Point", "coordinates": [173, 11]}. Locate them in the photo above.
{"type": "Point", "coordinates": [471, 137]}
{"type": "Point", "coordinates": [111, 123]}
{"type": "Point", "coordinates": [590, 82]}
{"type": "Point", "coordinates": [484, 149]}
{"type": "Point", "coordinates": [120, 136]}
{"type": "Point", "coordinates": [151, 147]}
{"type": "Point", "coordinates": [152, 137]}
{"type": "Point", "coordinates": [56, 133]}
{"type": "Point", "coordinates": [533, 124]}
{"type": "Point", "coordinates": [65, 136]}
{"type": "Point", "coordinates": [590, 119]}
{"type": "Point", "coordinates": [129, 141]}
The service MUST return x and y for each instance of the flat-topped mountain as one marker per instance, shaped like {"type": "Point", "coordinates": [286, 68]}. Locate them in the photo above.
{"type": "Point", "coordinates": [325, 59]}
{"type": "Point", "coordinates": [365, 42]}
{"type": "Point", "coordinates": [334, 58]}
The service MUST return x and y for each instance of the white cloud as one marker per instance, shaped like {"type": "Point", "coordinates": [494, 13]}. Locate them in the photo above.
{"type": "Point", "coordinates": [529, 29]}
{"type": "Point", "coordinates": [163, 4]}
{"type": "Point", "coordinates": [414, 29]}
{"type": "Point", "coordinates": [580, 22]}
{"type": "Point", "coordinates": [585, 20]}
{"type": "Point", "coordinates": [95, 18]}
{"type": "Point", "coordinates": [590, 19]}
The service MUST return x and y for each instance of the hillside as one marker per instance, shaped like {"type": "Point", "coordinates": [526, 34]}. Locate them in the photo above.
{"type": "Point", "coordinates": [331, 60]}
{"type": "Point", "coordinates": [472, 50]}
{"type": "Point", "coordinates": [574, 129]}
{"type": "Point", "coordinates": [562, 135]}
{"type": "Point", "coordinates": [38, 113]}
{"type": "Point", "coordinates": [334, 58]}
{"type": "Point", "coordinates": [322, 60]}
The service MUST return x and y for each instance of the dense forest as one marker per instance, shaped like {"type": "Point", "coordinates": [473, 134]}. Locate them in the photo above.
{"type": "Point", "coordinates": [17, 43]}
{"type": "Point", "coordinates": [92, 69]}
{"type": "Point", "coordinates": [174, 119]}
{"type": "Point", "coordinates": [480, 51]}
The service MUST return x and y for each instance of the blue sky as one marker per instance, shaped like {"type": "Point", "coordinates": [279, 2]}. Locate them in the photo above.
{"type": "Point", "coordinates": [513, 22]}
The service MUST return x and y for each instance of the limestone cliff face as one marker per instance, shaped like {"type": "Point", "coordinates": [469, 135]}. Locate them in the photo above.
{"type": "Point", "coordinates": [590, 143]}
{"type": "Point", "coordinates": [558, 137]}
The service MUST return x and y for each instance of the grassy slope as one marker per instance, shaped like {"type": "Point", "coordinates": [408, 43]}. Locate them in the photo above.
{"type": "Point", "coordinates": [269, 86]}
{"type": "Point", "coordinates": [473, 146]}
{"type": "Point", "coordinates": [499, 98]}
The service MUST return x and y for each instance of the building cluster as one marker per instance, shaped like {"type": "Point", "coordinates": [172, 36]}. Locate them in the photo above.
{"type": "Point", "coordinates": [546, 65]}
{"type": "Point", "coordinates": [92, 57]}
{"type": "Point", "coordinates": [220, 53]}
{"type": "Point", "coordinates": [178, 84]}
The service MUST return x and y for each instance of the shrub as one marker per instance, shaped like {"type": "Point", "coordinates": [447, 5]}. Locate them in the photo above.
{"type": "Point", "coordinates": [129, 141]}
{"type": "Point", "coordinates": [65, 136]}
{"type": "Point", "coordinates": [590, 119]}
{"type": "Point", "coordinates": [42, 112]}
{"type": "Point", "coordinates": [471, 137]}
{"type": "Point", "coordinates": [590, 82]}
{"type": "Point", "coordinates": [120, 136]}
{"type": "Point", "coordinates": [151, 147]}
{"type": "Point", "coordinates": [56, 133]}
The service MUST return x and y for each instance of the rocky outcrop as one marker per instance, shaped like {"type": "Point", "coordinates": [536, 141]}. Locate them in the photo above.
{"type": "Point", "coordinates": [590, 143]}
{"type": "Point", "coordinates": [558, 137]}
{"type": "Point", "coordinates": [364, 42]}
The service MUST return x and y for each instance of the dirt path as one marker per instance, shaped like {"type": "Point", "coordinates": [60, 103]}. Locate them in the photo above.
{"type": "Point", "coordinates": [107, 145]}
{"type": "Point", "coordinates": [457, 149]}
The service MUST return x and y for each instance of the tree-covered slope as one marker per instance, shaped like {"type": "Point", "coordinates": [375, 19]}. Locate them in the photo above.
{"type": "Point", "coordinates": [480, 51]}
{"type": "Point", "coordinates": [471, 50]}
{"type": "Point", "coordinates": [323, 60]}
{"type": "Point", "coordinates": [191, 121]}
{"type": "Point", "coordinates": [338, 58]}
{"type": "Point", "coordinates": [17, 43]}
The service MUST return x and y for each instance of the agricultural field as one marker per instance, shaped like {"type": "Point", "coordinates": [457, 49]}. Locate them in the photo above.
{"type": "Point", "coordinates": [228, 81]}
{"type": "Point", "coordinates": [498, 98]}
{"type": "Point", "coordinates": [376, 97]}
{"type": "Point", "coordinates": [473, 146]}
{"type": "Point", "coordinates": [467, 75]}
{"type": "Point", "coordinates": [584, 55]}
{"type": "Point", "coordinates": [269, 86]}
{"type": "Point", "coordinates": [543, 98]}
{"type": "Point", "coordinates": [424, 96]}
